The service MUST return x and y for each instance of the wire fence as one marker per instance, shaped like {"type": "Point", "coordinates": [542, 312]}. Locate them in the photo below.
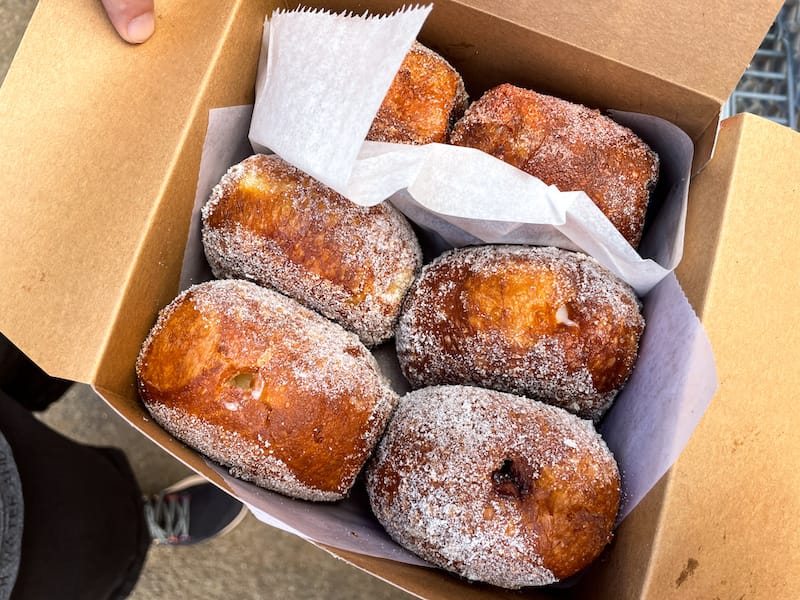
{"type": "Point", "coordinates": [769, 86]}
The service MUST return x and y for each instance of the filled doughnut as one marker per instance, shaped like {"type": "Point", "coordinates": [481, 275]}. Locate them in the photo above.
{"type": "Point", "coordinates": [541, 322]}
{"type": "Point", "coordinates": [494, 487]}
{"type": "Point", "coordinates": [426, 97]}
{"type": "Point", "coordinates": [566, 145]}
{"type": "Point", "coordinates": [274, 391]}
{"type": "Point", "coordinates": [268, 222]}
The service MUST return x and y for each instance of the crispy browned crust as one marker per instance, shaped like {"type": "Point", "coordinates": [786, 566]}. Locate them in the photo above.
{"type": "Point", "coordinates": [494, 487]}
{"type": "Point", "coordinates": [566, 145]}
{"type": "Point", "coordinates": [255, 381]}
{"type": "Point", "coordinates": [271, 223]}
{"type": "Point", "coordinates": [541, 322]}
{"type": "Point", "coordinates": [426, 97]}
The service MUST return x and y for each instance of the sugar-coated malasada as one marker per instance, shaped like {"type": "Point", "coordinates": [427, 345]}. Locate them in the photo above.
{"type": "Point", "coordinates": [426, 97]}
{"type": "Point", "coordinates": [541, 322]}
{"type": "Point", "coordinates": [567, 145]}
{"type": "Point", "coordinates": [494, 487]}
{"type": "Point", "coordinates": [282, 396]}
{"type": "Point", "coordinates": [269, 222]}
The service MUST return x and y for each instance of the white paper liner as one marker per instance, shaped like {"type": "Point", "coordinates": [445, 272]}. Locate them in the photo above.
{"type": "Point", "coordinates": [320, 128]}
{"type": "Point", "coordinates": [293, 94]}
{"type": "Point", "coordinates": [647, 427]}
{"type": "Point", "coordinates": [670, 388]}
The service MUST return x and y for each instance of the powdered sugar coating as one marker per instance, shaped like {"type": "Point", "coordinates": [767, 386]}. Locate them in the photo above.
{"type": "Point", "coordinates": [494, 487]}
{"type": "Point", "coordinates": [426, 98]}
{"type": "Point", "coordinates": [270, 223]}
{"type": "Point", "coordinates": [567, 145]}
{"type": "Point", "coordinates": [276, 392]}
{"type": "Point", "coordinates": [541, 322]}
{"type": "Point", "coordinates": [251, 461]}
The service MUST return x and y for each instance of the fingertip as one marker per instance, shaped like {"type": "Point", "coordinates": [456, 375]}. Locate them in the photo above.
{"type": "Point", "coordinates": [134, 20]}
{"type": "Point", "coordinates": [139, 29]}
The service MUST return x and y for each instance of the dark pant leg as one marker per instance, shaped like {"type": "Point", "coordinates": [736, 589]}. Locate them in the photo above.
{"type": "Point", "coordinates": [84, 534]}
{"type": "Point", "coordinates": [22, 379]}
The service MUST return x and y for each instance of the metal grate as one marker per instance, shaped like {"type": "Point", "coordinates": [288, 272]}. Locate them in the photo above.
{"type": "Point", "coordinates": [769, 86]}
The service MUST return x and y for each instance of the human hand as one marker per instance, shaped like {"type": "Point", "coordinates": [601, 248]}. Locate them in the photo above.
{"type": "Point", "coordinates": [134, 20]}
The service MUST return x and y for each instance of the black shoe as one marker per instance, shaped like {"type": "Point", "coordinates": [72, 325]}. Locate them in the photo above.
{"type": "Point", "coordinates": [191, 511]}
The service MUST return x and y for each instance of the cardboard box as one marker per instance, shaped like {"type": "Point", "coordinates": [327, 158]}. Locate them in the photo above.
{"type": "Point", "coordinates": [100, 145]}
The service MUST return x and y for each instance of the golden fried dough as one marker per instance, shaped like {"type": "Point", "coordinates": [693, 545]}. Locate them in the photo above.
{"type": "Point", "coordinates": [426, 97]}
{"type": "Point", "coordinates": [494, 487]}
{"type": "Point", "coordinates": [271, 223]}
{"type": "Point", "coordinates": [566, 145]}
{"type": "Point", "coordinates": [540, 322]}
{"type": "Point", "coordinates": [252, 379]}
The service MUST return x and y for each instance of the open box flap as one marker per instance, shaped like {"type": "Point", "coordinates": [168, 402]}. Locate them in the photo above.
{"type": "Point", "coordinates": [746, 447]}
{"type": "Point", "coordinates": [699, 46]}
{"type": "Point", "coordinates": [95, 134]}
{"type": "Point", "coordinates": [735, 490]}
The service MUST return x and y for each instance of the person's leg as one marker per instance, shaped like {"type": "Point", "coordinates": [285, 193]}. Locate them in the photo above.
{"type": "Point", "coordinates": [10, 519]}
{"type": "Point", "coordinates": [84, 533]}
{"type": "Point", "coordinates": [22, 379]}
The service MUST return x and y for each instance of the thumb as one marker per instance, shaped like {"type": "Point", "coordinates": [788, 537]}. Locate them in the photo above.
{"type": "Point", "coordinates": [134, 20]}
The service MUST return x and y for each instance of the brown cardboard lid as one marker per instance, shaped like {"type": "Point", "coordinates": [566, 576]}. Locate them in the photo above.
{"type": "Point", "coordinates": [723, 522]}
{"type": "Point", "coordinates": [702, 46]}
{"type": "Point", "coordinates": [735, 491]}
{"type": "Point", "coordinates": [100, 143]}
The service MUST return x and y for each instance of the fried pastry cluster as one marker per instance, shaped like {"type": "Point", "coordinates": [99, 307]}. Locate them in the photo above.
{"type": "Point", "coordinates": [491, 468]}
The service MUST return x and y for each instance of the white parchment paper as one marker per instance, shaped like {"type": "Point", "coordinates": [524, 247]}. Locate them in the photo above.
{"type": "Point", "coordinates": [318, 121]}
{"type": "Point", "coordinates": [650, 421]}
{"type": "Point", "coordinates": [299, 47]}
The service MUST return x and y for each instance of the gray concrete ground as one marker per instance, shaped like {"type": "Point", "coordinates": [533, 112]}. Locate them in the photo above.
{"type": "Point", "coordinates": [254, 561]}
{"type": "Point", "coordinates": [14, 17]}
